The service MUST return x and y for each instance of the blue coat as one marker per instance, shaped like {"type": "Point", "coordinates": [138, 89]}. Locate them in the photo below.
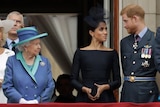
{"type": "Point", "coordinates": [22, 82]}
{"type": "Point", "coordinates": [132, 65]}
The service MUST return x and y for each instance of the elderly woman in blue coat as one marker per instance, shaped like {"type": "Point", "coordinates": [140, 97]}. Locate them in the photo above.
{"type": "Point", "coordinates": [28, 77]}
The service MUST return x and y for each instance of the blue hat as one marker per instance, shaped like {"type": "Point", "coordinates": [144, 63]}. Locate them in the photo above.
{"type": "Point", "coordinates": [27, 34]}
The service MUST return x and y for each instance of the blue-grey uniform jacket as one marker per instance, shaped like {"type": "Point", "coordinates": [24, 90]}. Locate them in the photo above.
{"type": "Point", "coordinates": [139, 62]}
{"type": "Point", "coordinates": [157, 49]}
{"type": "Point", "coordinates": [22, 82]}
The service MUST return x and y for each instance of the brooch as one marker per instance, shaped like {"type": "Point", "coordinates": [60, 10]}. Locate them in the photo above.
{"type": "Point", "coordinates": [42, 63]}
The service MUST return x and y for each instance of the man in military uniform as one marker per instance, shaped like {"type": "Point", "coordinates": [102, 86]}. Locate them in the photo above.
{"type": "Point", "coordinates": [137, 58]}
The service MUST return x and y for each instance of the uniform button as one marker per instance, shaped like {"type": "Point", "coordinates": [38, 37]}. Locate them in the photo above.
{"type": "Point", "coordinates": [35, 95]}
{"type": "Point", "coordinates": [124, 57]}
{"type": "Point", "coordinates": [132, 73]}
{"type": "Point", "coordinates": [134, 62]}
{"type": "Point", "coordinates": [25, 95]}
{"type": "Point", "coordinates": [26, 86]}
{"type": "Point", "coordinates": [135, 51]}
{"type": "Point", "coordinates": [150, 91]}
{"type": "Point", "coordinates": [35, 87]}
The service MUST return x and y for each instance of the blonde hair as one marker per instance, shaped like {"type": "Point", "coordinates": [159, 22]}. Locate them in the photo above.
{"type": "Point", "coordinates": [133, 9]}
{"type": "Point", "coordinates": [4, 37]}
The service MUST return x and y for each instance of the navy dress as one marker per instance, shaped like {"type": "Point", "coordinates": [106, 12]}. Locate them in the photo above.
{"type": "Point", "coordinates": [95, 66]}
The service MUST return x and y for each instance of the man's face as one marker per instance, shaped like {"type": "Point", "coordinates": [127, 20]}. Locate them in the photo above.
{"type": "Point", "coordinates": [18, 23]}
{"type": "Point", "coordinates": [129, 24]}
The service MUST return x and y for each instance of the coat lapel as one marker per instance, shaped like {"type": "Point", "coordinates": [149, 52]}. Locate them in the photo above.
{"type": "Point", "coordinates": [130, 41]}
{"type": "Point", "coordinates": [32, 71]}
{"type": "Point", "coordinates": [36, 64]}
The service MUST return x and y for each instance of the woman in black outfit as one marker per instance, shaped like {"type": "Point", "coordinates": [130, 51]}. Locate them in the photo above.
{"type": "Point", "coordinates": [98, 64]}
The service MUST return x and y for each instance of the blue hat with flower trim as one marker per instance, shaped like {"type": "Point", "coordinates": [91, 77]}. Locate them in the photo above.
{"type": "Point", "coordinates": [27, 34]}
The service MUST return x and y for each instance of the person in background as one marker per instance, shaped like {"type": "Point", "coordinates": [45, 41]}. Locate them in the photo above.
{"type": "Point", "coordinates": [28, 76]}
{"type": "Point", "coordinates": [54, 95]}
{"type": "Point", "coordinates": [65, 89]}
{"type": "Point", "coordinates": [5, 26]}
{"type": "Point", "coordinates": [12, 34]}
{"type": "Point", "coordinates": [96, 63]}
{"type": "Point", "coordinates": [137, 57]}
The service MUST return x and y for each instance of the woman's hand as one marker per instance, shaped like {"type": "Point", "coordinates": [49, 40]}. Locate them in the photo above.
{"type": "Point", "coordinates": [88, 92]}
{"type": "Point", "coordinates": [100, 89]}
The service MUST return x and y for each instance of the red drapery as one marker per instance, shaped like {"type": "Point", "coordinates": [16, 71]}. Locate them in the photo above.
{"type": "Point", "coordinates": [152, 104]}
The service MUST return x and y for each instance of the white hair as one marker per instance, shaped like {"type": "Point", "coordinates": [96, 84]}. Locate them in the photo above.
{"type": "Point", "coordinates": [15, 13]}
{"type": "Point", "coordinates": [21, 46]}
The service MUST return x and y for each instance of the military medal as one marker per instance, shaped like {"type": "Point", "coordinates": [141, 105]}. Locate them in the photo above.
{"type": "Point", "coordinates": [145, 64]}
{"type": "Point", "coordinates": [135, 45]}
{"type": "Point", "coordinates": [148, 49]}
{"type": "Point", "coordinates": [149, 54]}
{"type": "Point", "coordinates": [142, 53]}
{"type": "Point", "coordinates": [146, 53]}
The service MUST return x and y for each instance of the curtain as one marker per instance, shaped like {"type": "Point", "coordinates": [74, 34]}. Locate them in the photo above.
{"type": "Point", "coordinates": [61, 42]}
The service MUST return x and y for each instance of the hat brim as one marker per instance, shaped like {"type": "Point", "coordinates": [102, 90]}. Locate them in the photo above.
{"type": "Point", "coordinates": [27, 40]}
{"type": "Point", "coordinates": [7, 24]}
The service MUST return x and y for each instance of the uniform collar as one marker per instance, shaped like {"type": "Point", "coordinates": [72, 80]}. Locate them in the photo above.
{"type": "Point", "coordinates": [143, 32]}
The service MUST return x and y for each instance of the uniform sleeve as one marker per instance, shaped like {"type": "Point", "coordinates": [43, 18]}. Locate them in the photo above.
{"type": "Point", "coordinates": [157, 49]}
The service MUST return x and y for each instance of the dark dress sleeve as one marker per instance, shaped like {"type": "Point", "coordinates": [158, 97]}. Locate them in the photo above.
{"type": "Point", "coordinates": [116, 82]}
{"type": "Point", "coordinates": [75, 70]}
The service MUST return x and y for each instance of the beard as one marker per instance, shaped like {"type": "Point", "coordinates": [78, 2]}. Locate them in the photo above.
{"type": "Point", "coordinates": [131, 30]}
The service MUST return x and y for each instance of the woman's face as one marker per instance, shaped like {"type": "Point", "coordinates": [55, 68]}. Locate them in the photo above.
{"type": "Point", "coordinates": [34, 47]}
{"type": "Point", "coordinates": [100, 33]}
